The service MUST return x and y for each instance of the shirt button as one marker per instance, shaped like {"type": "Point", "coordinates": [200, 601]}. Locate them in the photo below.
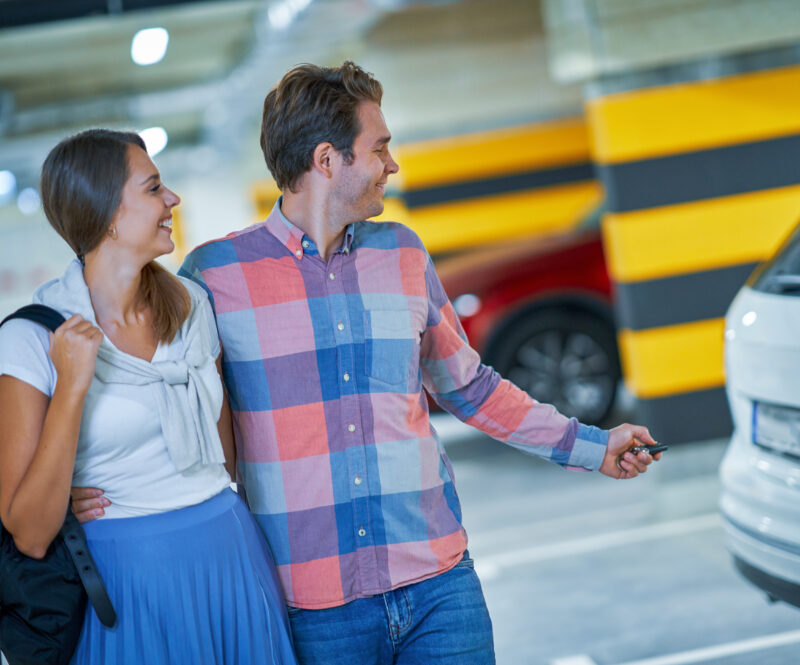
{"type": "Point", "coordinates": [351, 427]}
{"type": "Point", "coordinates": [340, 325]}
{"type": "Point", "coordinates": [305, 244]}
{"type": "Point", "coordinates": [331, 276]}
{"type": "Point", "coordinates": [362, 532]}
{"type": "Point", "coordinates": [357, 480]}
{"type": "Point", "coordinates": [299, 253]}
{"type": "Point", "coordinates": [346, 376]}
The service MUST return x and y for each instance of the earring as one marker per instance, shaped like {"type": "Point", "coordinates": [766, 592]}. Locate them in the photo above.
{"type": "Point", "coordinates": [112, 231]}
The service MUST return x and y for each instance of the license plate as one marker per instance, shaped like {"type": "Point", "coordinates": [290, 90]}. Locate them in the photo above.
{"type": "Point", "coordinates": [777, 427]}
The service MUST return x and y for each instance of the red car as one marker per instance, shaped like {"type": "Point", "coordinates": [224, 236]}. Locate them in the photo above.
{"type": "Point", "coordinates": [540, 312]}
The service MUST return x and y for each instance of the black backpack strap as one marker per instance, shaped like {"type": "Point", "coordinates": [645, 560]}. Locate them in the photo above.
{"type": "Point", "coordinates": [41, 314]}
{"type": "Point", "coordinates": [71, 531]}
{"type": "Point", "coordinates": [75, 540]}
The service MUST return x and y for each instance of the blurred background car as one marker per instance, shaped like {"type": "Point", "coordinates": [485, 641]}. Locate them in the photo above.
{"type": "Point", "coordinates": [540, 312]}
{"type": "Point", "coordinates": [760, 473]}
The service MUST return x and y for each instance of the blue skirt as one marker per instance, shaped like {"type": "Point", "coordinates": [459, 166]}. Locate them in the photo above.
{"type": "Point", "coordinates": [195, 586]}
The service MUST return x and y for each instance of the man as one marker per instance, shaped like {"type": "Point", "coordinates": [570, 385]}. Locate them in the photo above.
{"type": "Point", "coordinates": [330, 326]}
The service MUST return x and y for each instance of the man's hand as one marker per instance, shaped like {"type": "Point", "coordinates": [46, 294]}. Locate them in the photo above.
{"type": "Point", "coordinates": [620, 440]}
{"type": "Point", "coordinates": [88, 503]}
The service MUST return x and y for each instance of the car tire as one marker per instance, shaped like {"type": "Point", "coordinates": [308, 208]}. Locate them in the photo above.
{"type": "Point", "coordinates": [565, 358]}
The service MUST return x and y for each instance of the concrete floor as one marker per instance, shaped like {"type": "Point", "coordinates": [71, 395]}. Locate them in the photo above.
{"type": "Point", "coordinates": [580, 569]}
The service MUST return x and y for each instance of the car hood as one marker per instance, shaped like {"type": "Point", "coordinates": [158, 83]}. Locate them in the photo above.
{"type": "Point", "coordinates": [474, 269]}
{"type": "Point", "coordinates": [762, 348]}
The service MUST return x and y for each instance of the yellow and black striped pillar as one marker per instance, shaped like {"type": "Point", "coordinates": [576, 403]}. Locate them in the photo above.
{"type": "Point", "coordinates": [488, 187]}
{"type": "Point", "coordinates": [703, 181]}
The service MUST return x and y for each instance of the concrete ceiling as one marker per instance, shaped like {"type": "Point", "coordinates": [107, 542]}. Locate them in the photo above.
{"type": "Point", "coordinates": [59, 76]}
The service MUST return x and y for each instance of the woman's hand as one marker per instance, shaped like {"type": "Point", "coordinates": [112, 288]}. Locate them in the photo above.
{"type": "Point", "coordinates": [73, 350]}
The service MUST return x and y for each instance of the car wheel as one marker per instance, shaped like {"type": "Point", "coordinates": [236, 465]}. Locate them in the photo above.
{"type": "Point", "coordinates": [564, 358]}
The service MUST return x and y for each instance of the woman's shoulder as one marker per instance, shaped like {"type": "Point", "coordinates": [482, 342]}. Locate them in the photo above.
{"type": "Point", "coordinates": [24, 332]}
{"type": "Point", "coordinates": [196, 292]}
{"type": "Point", "coordinates": [202, 314]}
{"type": "Point", "coordinates": [24, 347]}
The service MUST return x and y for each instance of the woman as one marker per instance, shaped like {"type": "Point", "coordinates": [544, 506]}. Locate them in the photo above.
{"type": "Point", "coordinates": [127, 397]}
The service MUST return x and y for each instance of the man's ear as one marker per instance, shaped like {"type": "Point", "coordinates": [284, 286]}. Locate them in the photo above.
{"type": "Point", "coordinates": [325, 156]}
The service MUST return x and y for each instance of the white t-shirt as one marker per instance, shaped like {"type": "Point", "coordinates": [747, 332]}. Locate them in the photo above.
{"type": "Point", "coordinates": [121, 447]}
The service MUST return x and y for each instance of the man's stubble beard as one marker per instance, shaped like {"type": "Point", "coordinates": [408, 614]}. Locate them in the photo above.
{"type": "Point", "coordinates": [360, 202]}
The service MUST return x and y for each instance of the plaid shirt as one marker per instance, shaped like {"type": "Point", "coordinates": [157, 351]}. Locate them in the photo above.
{"type": "Point", "coordinates": [324, 363]}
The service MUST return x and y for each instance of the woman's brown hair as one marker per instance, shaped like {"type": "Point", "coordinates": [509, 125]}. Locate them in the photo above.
{"type": "Point", "coordinates": [82, 181]}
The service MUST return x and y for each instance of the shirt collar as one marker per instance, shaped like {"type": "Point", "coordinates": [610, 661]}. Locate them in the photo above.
{"type": "Point", "coordinates": [292, 237]}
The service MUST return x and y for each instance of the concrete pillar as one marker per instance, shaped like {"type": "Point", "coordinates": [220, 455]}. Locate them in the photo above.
{"type": "Point", "coordinates": [695, 131]}
{"type": "Point", "coordinates": [487, 187]}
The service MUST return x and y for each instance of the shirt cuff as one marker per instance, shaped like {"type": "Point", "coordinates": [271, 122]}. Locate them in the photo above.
{"type": "Point", "coordinates": [589, 448]}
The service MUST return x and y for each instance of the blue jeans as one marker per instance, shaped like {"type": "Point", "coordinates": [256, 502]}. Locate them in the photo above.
{"type": "Point", "coordinates": [442, 620]}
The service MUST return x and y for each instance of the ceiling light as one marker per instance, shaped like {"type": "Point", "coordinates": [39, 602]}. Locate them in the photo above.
{"type": "Point", "coordinates": [280, 16]}
{"type": "Point", "coordinates": [8, 184]}
{"type": "Point", "coordinates": [282, 13]}
{"type": "Point", "coordinates": [149, 46]}
{"type": "Point", "coordinates": [155, 138]}
{"type": "Point", "coordinates": [28, 201]}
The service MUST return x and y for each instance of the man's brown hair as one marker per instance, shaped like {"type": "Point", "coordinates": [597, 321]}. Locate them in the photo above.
{"type": "Point", "coordinates": [312, 105]}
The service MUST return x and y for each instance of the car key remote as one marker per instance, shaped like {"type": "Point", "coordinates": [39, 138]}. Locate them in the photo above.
{"type": "Point", "coordinates": [650, 449]}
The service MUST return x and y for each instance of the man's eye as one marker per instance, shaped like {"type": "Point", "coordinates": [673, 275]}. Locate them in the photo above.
{"type": "Point", "coordinates": [155, 187]}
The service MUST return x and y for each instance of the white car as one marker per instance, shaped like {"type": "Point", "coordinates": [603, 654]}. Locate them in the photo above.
{"type": "Point", "coordinates": [760, 473]}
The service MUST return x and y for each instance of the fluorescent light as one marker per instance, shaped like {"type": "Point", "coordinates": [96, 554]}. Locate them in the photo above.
{"type": "Point", "coordinates": [149, 46]}
{"type": "Point", "coordinates": [8, 184]}
{"type": "Point", "coordinates": [155, 138]}
{"type": "Point", "coordinates": [28, 201]}
{"type": "Point", "coordinates": [282, 13]}
{"type": "Point", "coordinates": [280, 16]}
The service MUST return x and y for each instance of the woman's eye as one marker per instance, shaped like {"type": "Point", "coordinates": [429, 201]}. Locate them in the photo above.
{"type": "Point", "coordinates": [155, 187]}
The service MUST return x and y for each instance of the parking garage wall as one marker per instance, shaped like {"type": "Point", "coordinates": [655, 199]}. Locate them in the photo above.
{"type": "Point", "coordinates": [702, 174]}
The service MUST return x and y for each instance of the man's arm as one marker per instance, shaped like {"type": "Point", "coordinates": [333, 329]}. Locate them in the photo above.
{"type": "Point", "coordinates": [473, 392]}
{"type": "Point", "coordinates": [225, 427]}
